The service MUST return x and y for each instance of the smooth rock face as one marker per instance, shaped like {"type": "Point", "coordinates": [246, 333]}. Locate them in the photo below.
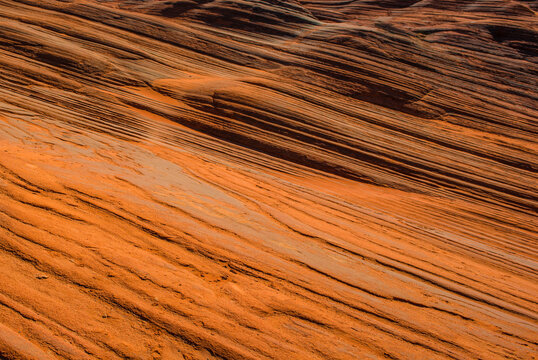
{"type": "Point", "coordinates": [268, 179]}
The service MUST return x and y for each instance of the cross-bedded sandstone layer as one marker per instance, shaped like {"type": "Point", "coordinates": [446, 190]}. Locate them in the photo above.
{"type": "Point", "coordinates": [268, 179]}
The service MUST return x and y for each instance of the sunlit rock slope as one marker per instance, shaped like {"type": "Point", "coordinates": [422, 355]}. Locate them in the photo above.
{"type": "Point", "coordinates": [268, 179]}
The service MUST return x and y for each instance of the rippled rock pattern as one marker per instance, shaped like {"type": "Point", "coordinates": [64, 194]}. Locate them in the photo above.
{"type": "Point", "coordinates": [268, 179]}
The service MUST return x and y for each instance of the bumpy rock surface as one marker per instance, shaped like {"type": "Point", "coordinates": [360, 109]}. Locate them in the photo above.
{"type": "Point", "coordinates": [268, 179]}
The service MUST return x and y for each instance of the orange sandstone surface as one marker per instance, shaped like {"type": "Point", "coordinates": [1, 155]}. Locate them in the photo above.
{"type": "Point", "coordinates": [268, 179]}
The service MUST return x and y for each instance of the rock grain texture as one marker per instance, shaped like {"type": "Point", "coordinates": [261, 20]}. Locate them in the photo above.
{"type": "Point", "coordinates": [268, 179]}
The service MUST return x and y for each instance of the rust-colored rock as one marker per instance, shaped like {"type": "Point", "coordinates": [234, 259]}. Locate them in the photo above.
{"type": "Point", "coordinates": [268, 179]}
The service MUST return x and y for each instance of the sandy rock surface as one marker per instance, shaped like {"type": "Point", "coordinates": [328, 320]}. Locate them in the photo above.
{"type": "Point", "coordinates": [268, 179]}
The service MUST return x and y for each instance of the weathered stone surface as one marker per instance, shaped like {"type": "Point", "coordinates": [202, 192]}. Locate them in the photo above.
{"type": "Point", "coordinates": [268, 179]}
